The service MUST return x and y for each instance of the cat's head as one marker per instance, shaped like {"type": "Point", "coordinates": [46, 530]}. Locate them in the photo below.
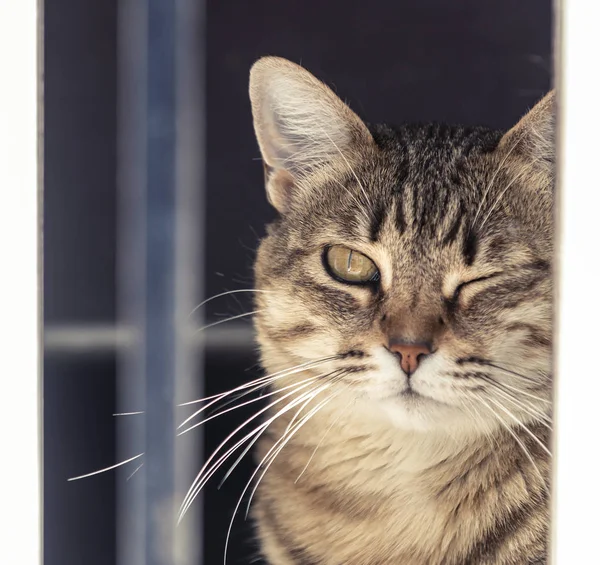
{"type": "Point", "coordinates": [409, 268]}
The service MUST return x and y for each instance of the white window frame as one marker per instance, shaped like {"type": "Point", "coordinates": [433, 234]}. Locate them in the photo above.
{"type": "Point", "coordinates": [576, 494]}
{"type": "Point", "coordinates": [577, 426]}
{"type": "Point", "coordinates": [20, 415]}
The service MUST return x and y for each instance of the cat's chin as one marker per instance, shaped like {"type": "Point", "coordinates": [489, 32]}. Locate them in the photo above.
{"type": "Point", "coordinates": [412, 411]}
{"type": "Point", "coordinates": [413, 405]}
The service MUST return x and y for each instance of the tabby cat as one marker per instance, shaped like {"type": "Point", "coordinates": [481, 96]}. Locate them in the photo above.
{"type": "Point", "coordinates": [405, 308]}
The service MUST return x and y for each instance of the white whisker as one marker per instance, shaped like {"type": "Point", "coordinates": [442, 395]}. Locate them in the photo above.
{"type": "Point", "coordinates": [304, 404]}
{"type": "Point", "coordinates": [298, 426]}
{"type": "Point", "coordinates": [263, 381]}
{"type": "Point", "coordinates": [205, 474]}
{"type": "Point", "coordinates": [136, 470]}
{"type": "Point", "coordinates": [192, 490]}
{"type": "Point", "coordinates": [528, 408]}
{"type": "Point", "coordinates": [368, 200]}
{"type": "Point", "coordinates": [257, 433]}
{"type": "Point", "coordinates": [256, 439]}
{"type": "Point", "coordinates": [237, 397]}
{"type": "Point", "coordinates": [128, 413]}
{"type": "Point", "coordinates": [521, 424]}
{"type": "Point", "coordinates": [246, 403]}
{"type": "Point", "coordinates": [516, 438]}
{"type": "Point", "coordinates": [342, 412]}
{"type": "Point", "coordinates": [490, 184]}
{"type": "Point", "coordinates": [515, 179]}
{"type": "Point", "coordinates": [291, 423]}
{"type": "Point", "coordinates": [359, 207]}
{"type": "Point", "coordinates": [518, 390]}
{"type": "Point", "coordinates": [284, 440]}
{"type": "Point", "coordinates": [478, 417]}
{"type": "Point", "coordinates": [237, 291]}
{"type": "Point", "coordinates": [106, 468]}
{"type": "Point", "coordinates": [226, 320]}
{"type": "Point", "coordinates": [283, 372]}
{"type": "Point", "coordinates": [252, 437]}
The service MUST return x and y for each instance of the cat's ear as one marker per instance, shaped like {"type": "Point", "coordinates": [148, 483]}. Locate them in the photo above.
{"type": "Point", "coordinates": [534, 136]}
{"type": "Point", "coordinates": [301, 125]}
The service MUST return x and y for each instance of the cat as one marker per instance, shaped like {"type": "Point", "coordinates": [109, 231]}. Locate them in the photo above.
{"type": "Point", "coordinates": [404, 307]}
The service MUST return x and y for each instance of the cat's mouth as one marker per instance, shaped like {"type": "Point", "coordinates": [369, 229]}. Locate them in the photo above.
{"type": "Point", "coordinates": [411, 393]}
{"type": "Point", "coordinates": [413, 397]}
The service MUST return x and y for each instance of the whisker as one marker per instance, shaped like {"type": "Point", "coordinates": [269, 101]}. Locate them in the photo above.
{"type": "Point", "coordinates": [192, 490]}
{"type": "Point", "coordinates": [490, 184]}
{"type": "Point", "coordinates": [254, 441]}
{"type": "Point", "coordinates": [521, 424]}
{"type": "Point", "coordinates": [342, 412]}
{"type": "Point", "coordinates": [508, 390]}
{"type": "Point", "coordinates": [226, 320]}
{"type": "Point", "coordinates": [515, 179]}
{"type": "Point", "coordinates": [283, 372]}
{"type": "Point", "coordinates": [304, 404]}
{"type": "Point", "coordinates": [517, 373]}
{"type": "Point", "coordinates": [106, 468]}
{"type": "Point", "coordinates": [136, 470]}
{"type": "Point", "coordinates": [205, 475]}
{"type": "Point", "coordinates": [531, 410]}
{"type": "Point", "coordinates": [349, 166]}
{"type": "Point", "coordinates": [236, 397]}
{"type": "Point", "coordinates": [242, 455]}
{"type": "Point", "coordinates": [334, 375]}
{"type": "Point", "coordinates": [128, 413]}
{"type": "Point", "coordinates": [536, 415]}
{"type": "Point", "coordinates": [519, 442]}
{"type": "Point", "coordinates": [251, 437]}
{"type": "Point", "coordinates": [237, 291]}
{"type": "Point", "coordinates": [260, 386]}
{"type": "Point", "coordinates": [263, 381]}
{"type": "Point", "coordinates": [488, 363]}
{"type": "Point", "coordinates": [277, 447]}
{"type": "Point", "coordinates": [258, 431]}
{"type": "Point", "coordinates": [246, 403]}
{"type": "Point", "coordinates": [519, 391]}
{"type": "Point", "coordinates": [479, 417]}
{"type": "Point", "coordinates": [299, 425]}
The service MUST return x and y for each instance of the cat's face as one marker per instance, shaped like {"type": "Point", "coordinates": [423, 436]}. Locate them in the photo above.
{"type": "Point", "coordinates": [415, 262]}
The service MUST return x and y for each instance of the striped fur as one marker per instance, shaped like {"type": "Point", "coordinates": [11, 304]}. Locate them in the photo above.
{"type": "Point", "coordinates": [453, 469]}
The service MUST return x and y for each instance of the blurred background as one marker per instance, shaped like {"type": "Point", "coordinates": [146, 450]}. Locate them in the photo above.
{"type": "Point", "coordinates": [154, 202]}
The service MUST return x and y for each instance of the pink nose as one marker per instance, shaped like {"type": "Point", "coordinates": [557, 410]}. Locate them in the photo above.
{"type": "Point", "coordinates": [410, 354]}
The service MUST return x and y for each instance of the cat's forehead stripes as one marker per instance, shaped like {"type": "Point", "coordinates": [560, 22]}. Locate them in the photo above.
{"type": "Point", "coordinates": [429, 186]}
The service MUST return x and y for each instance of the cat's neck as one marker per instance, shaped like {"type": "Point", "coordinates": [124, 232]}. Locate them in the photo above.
{"type": "Point", "coordinates": [367, 451]}
{"type": "Point", "coordinates": [414, 493]}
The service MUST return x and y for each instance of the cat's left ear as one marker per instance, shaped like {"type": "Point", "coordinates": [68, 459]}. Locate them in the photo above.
{"type": "Point", "coordinates": [302, 128]}
{"type": "Point", "coordinates": [534, 136]}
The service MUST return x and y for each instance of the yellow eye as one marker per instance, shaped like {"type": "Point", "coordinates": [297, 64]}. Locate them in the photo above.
{"type": "Point", "coordinates": [350, 266]}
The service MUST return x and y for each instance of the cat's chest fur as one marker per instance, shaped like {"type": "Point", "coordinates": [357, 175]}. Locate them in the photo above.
{"type": "Point", "coordinates": [366, 500]}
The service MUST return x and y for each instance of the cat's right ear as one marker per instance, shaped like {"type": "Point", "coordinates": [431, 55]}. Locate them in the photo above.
{"type": "Point", "coordinates": [534, 136]}
{"type": "Point", "coordinates": [301, 126]}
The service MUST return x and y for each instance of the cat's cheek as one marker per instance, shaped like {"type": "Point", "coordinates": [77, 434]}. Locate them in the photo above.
{"type": "Point", "coordinates": [315, 347]}
{"type": "Point", "coordinates": [435, 380]}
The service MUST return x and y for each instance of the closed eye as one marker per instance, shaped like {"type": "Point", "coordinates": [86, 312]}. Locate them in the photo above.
{"type": "Point", "coordinates": [465, 284]}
